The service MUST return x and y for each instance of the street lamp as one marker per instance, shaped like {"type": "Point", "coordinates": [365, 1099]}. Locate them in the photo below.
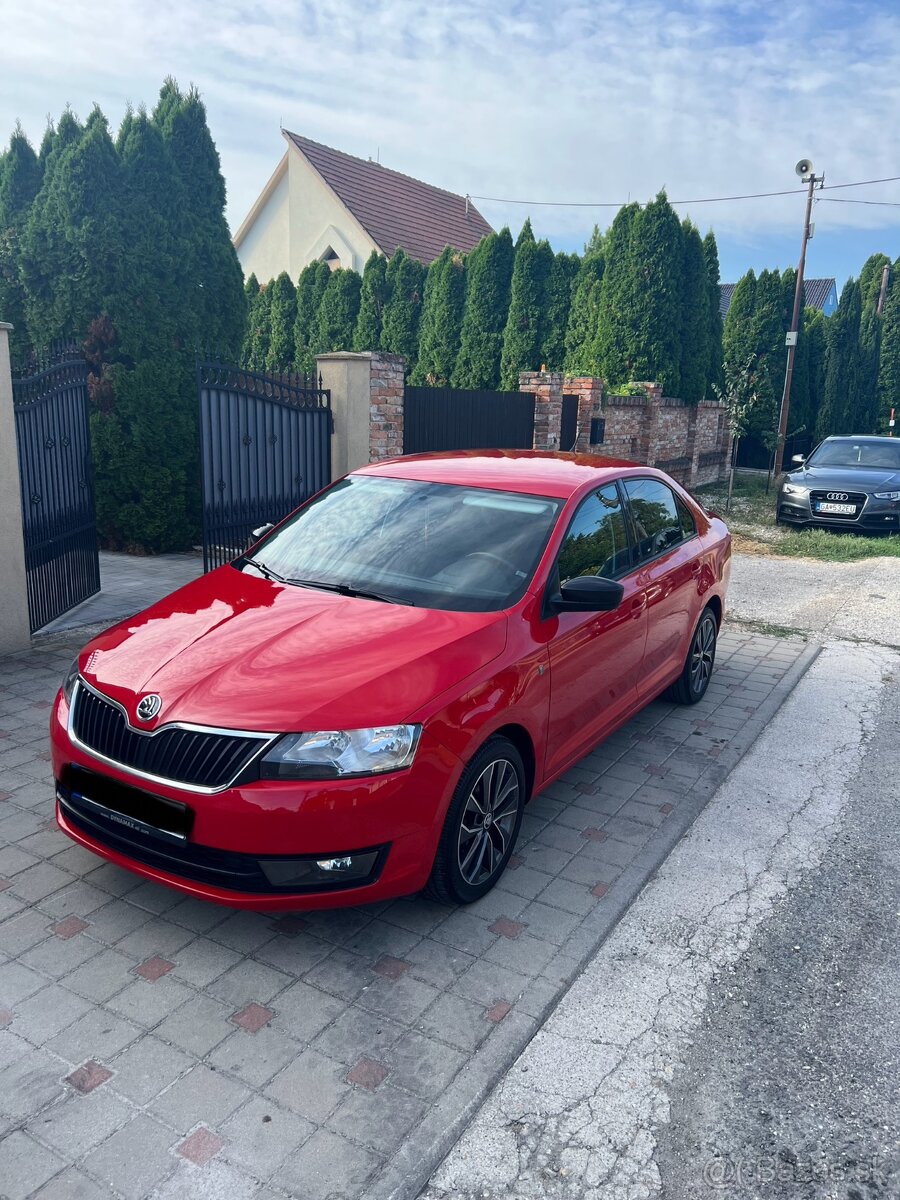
{"type": "Point", "coordinates": [805, 170]}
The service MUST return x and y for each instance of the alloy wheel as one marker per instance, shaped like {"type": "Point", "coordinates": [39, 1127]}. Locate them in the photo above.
{"type": "Point", "coordinates": [488, 821]}
{"type": "Point", "coordinates": [702, 654]}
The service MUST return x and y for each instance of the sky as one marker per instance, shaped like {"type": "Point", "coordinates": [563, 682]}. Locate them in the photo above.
{"type": "Point", "coordinates": [583, 101]}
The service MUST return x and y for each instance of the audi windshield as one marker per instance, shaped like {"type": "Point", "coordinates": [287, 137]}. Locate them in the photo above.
{"type": "Point", "coordinates": [405, 541]}
{"type": "Point", "coordinates": [883, 453]}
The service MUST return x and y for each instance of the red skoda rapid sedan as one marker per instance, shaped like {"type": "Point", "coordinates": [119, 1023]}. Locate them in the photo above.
{"type": "Point", "coordinates": [361, 705]}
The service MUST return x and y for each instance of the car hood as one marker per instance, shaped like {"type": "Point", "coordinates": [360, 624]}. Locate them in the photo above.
{"type": "Point", "coordinates": [847, 479]}
{"type": "Point", "coordinates": [240, 652]}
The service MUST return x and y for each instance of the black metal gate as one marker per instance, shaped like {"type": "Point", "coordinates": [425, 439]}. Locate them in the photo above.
{"type": "Point", "coordinates": [55, 473]}
{"type": "Point", "coordinates": [454, 419]}
{"type": "Point", "coordinates": [265, 447]}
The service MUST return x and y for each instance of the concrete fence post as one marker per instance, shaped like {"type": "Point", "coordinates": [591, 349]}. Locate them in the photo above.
{"type": "Point", "coordinates": [367, 392]}
{"type": "Point", "coordinates": [14, 627]}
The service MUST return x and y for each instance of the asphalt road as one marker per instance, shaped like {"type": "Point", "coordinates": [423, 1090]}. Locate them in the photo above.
{"type": "Point", "coordinates": [793, 1090]}
{"type": "Point", "coordinates": [737, 1034]}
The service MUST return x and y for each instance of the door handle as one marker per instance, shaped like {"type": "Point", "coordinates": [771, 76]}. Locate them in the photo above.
{"type": "Point", "coordinates": [696, 569]}
{"type": "Point", "coordinates": [638, 604]}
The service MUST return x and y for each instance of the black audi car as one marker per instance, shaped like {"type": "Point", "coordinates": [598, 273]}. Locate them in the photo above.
{"type": "Point", "coordinates": [846, 483]}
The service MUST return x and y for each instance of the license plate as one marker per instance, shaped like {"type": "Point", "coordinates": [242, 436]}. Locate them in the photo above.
{"type": "Point", "coordinates": [826, 506]}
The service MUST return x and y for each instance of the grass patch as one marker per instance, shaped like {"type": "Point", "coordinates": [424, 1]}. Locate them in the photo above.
{"type": "Point", "coordinates": [752, 521]}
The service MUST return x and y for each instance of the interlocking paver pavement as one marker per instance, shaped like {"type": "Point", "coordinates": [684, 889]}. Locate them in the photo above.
{"type": "Point", "coordinates": [156, 1046]}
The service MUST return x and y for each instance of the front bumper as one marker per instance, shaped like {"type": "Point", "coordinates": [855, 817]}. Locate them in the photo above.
{"type": "Point", "coordinates": [874, 515]}
{"type": "Point", "coordinates": [235, 836]}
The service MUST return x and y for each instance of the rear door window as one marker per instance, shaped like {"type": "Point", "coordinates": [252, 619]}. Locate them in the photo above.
{"type": "Point", "coordinates": [659, 521]}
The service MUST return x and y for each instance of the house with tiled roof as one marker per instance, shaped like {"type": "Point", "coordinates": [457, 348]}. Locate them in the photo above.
{"type": "Point", "coordinates": [817, 293]}
{"type": "Point", "coordinates": [324, 204]}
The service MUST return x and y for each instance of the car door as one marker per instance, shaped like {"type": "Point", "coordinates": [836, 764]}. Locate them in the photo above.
{"type": "Point", "coordinates": [667, 551]}
{"type": "Point", "coordinates": [595, 658]}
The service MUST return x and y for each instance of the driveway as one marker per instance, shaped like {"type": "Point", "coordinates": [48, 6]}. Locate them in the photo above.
{"type": "Point", "coordinates": [155, 1046]}
{"type": "Point", "coordinates": [859, 601]}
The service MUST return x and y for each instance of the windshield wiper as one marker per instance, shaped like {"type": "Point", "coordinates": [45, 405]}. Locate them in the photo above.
{"type": "Point", "coordinates": [267, 571]}
{"type": "Point", "coordinates": [345, 589]}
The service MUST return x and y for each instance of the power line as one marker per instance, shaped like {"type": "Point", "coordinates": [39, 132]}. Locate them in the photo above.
{"type": "Point", "coordinates": [842, 200]}
{"type": "Point", "coordinates": [700, 200]}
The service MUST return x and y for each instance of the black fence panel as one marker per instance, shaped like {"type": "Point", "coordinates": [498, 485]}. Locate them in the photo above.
{"type": "Point", "coordinates": [455, 419]}
{"type": "Point", "coordinates": [568, 430]}
{"type": "Point", "coordinates": [265, 447]}
{"type": "Point", "coordinates": [752, 454]}
{"type": "Point", "coordinates": [50, 406]}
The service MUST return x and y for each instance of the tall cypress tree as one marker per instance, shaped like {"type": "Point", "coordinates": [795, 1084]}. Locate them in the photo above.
{"type": "Point", "coordinates": [522, 336]}
{"type": "Point", "coordinates": [336, 318]}
{"type": "Point", "coordinates": [889, 364]}
{"type": "Point", "coordinates": [259, 334]}
{"type": "Point", "coordinates": [842, 361]}
{"type": "Point", "coordinates": [610, 348]}
{"type": "Point", "coordinates": [767, 334]}
{"type": "Point", "coordinates": [650, 315]}
{"type": "Point", "coordinates": [581, 331]}
{"type": "Point", "coordinates": [871, 329]}
{"type": "Point", "coordinates": [694, 305]}
{"type": "Point", "coordinates": [215, 270]}
{"type": "Point", "coordinates": [373, 301]}
{"type": "Point", "coordinates": [489, 271]}
{"type": "Point", "coordinates": [714, 373]}
{"type": "Point", "coordinates": [310, 289]}
{"type": "Point", "coordinates": [405, 278]}
{"type": "Point", "coordinates": [442, 311]}
{"type": "Point", "coordinates": [738, 337]}
{"type": "Point", "coordinates": [557, 306]}
{"type": "Point", "coordinates": [282, 318]}
{"type": "Point", "coordinates": [251, 299]}
{"type": "Point", "coordinates": [20, 181]}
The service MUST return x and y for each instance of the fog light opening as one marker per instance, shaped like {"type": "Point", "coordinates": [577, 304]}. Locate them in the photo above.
{"type": "Point", "coordinates": [324, 872]}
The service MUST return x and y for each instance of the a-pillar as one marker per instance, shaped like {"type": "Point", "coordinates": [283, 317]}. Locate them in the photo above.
{"type": "Point", "coordinates": [547, 389]}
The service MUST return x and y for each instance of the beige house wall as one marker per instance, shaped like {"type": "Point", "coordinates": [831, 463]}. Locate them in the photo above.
{"type": "Point", "coordinates": [14, 632]}
{"type": "Point", "coordinates": [296, 221]}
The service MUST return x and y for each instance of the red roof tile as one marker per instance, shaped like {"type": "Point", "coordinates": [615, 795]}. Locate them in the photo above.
{"type": "Point", "coordinates": [394, 209]}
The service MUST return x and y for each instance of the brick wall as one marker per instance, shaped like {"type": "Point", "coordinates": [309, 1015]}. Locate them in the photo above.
{"type": "Point", "coordinates": [385, 406]}
{"type": "Point", "coordinates": [688, 441]}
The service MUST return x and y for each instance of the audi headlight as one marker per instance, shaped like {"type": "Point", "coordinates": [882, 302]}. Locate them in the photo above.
{"type": "Point", "coordinates": [887, 495]}
{"type": "Point", "coordinates": [68, 686]}
{"type": "Point", "coordinates": [795, 489]}
{"type": "Point", "coordinates": [337, 753]}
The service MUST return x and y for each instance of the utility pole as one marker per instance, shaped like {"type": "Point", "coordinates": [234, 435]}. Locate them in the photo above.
{"type": "Point", "coordinates": [805, 170]}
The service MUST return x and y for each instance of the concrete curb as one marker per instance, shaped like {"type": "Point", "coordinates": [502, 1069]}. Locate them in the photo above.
{"type": "Point", "coordinates": [425, 1148]}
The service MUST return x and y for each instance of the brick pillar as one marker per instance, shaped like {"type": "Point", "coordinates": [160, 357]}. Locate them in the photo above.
{"type": "Point", "coordinates": [547, 389]}
{"type": "Point", "coordinates": [386, 392]}
{"type": "Point", "coordinates": [14, 630]}
{"type": "Point", "coordinates": [589, 391]}
{"type": "Point", "coordinates": [367, 392]}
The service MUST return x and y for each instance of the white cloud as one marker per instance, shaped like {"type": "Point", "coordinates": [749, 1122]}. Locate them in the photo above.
{"type": "Point", "coordinates": [566, 99]}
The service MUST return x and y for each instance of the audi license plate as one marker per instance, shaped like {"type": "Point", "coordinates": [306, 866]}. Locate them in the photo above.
{"type": "Point", "coordinates": [841, 510]}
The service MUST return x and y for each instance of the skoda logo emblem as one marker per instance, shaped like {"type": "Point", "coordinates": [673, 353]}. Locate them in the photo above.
{"type": "Point", "coordinates": [148, 708]}
{"type": "Point", "coordinates": [837, 496]}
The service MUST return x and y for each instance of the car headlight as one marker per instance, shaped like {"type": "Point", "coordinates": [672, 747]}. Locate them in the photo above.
{"type": "Point", "coordinates": [795, 489]}
{"type": "Point", "coordinates": [337, 753]}
{"type": "Point", "coordinates": [887, 495]}
{"type": "Point", "coordinates": [68, 686]}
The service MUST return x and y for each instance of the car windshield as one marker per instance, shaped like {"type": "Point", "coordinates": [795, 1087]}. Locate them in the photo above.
{"type": "Point", "coordinates": [850, 452]}
{"type": "Point", "coordinates": [436, 545]}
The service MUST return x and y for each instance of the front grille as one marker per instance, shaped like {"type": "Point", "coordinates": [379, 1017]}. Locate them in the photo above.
{"type": "Point", "coordinates": [196, 758]}
{"type": "Point", "coordinates": [857, 499]}
{"type": "Point", "coordinates": [226, 869]}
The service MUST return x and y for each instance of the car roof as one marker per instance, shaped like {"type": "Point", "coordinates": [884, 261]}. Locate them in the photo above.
{"type": "Point", "coordinates": [863, 437]}
{"type": "Point", "coordinates": [534, 472]}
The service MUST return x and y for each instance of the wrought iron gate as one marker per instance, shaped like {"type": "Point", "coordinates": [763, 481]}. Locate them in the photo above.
{"type": "Point", "coordinates": [457, 419]}
{"type": "Point", "coordinates": [265, 447]}
{"type": "Point", "coordinates": [55, 473]}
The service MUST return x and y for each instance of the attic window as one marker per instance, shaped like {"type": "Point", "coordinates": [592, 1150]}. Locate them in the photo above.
{"type": "Point", "coordinates": [329, 256]}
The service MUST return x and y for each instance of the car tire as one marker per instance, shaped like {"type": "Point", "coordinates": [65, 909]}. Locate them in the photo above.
{"type": "Point", "coordinates": [691, 685]}
{"type": "Point", "coordinates": [483, 820]}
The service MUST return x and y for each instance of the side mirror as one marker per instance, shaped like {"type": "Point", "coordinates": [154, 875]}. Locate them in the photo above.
{"type": "Point", "coordinates": [260, 532]}
{"type": "Point", "coordinates": [799, 459]}
{"type": "Point", "coordinates": [588, 593]}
